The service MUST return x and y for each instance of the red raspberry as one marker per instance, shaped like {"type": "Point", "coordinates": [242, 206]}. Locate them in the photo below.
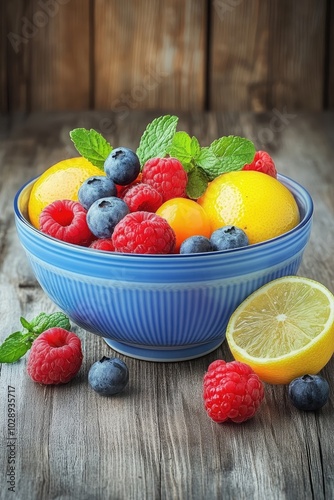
{"type": "Point", "coordinates": [103, 244]}
{"type": "Point", "coordinates": [145, 233]}
{"type": "Point", "coordinates": [55, 357]}
{"type": "Point", "coordinates": [143, 197]}
{"type": "Point", "coordinates": [167, 176]}
{"type": "Point", "coordinates": [66, 221]}
{"type": "Point", "coordinates": [232, 391]}
{"type": "Point", "coordinates": [262, 163]}
{"type": "Point", "coordinates": [121, 190]}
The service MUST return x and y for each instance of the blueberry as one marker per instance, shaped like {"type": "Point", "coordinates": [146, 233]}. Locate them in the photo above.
{"type": "Point", "coordinates": [108, 376]}
{"type": "Point", "coordinates": [94, 188]}
{"type": "Point", "coordinates": [122, 166]}
{"type": "Point", "coordinates": [104, 214]}
{"type": "Point", "coordinates": [228, 237]}
{"type": "Point", "coordinates": [196, 244]}
{"type": "Point", "coordinates": [309, 392]}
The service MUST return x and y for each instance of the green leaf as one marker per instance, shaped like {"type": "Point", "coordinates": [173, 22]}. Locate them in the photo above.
{"type": "Point", "coordinates": [195, 148]}
{"type": "Point", "coordinates": [225, 155]}
{"type": "Point", "coordinates": [197, 183]}
{"type": "Point", "coordinates": [18, 343]}
{"type": "Point", "coordinates": [14, 347]}
{"type": "Point", "coordinates": [91, 145]}
{"type": "Point", "coordinates": [45, 321]}
{"type": "Point", "coordinates": [25, 323]}
{"type": "Point", "coordinates": [182, 148]}
{"type": "Point", "coordinates": [157, 138]}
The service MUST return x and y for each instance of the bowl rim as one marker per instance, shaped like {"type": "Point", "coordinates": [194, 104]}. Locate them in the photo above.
{"type": "Point", "coordinates": [287, 181]}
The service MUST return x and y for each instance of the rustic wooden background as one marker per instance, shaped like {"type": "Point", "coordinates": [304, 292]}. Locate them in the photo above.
{"type": "Point", "coordinates": [230, 55]}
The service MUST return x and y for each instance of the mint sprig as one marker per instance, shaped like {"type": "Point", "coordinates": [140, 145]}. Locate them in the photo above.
{"type": "Point", "coordinates": [91, 145]}
{"type": "Point", "coordinates": [157, 138]}
{"type": "Point", "coordinates": [202, 164]}
{"type": "Point", "coordinates": [18, 343]}
{"type": "Point", "coordinates": [226, 154]}
{"type": "Point", "coordinates": [186, 149]}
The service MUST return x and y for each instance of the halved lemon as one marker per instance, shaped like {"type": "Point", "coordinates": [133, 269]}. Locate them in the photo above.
{"type": "Point", "coordinates": [284, 330]}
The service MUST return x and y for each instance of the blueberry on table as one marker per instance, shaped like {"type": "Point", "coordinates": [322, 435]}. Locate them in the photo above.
{"type": "Point", "coordinates": [94, 188]}
{"type": "Point", "coordinates": [104, 214]}
{"type": "Point", "coordinates": [228, 237]}
{"type": "Point", "coordinates": [108, 376]}
{"type": "Point", "coordinates": [196, 244]}
{"type": "Point", "coordinates": [309, 392]}
{"type": "Point", "coordinates": [122, 166]}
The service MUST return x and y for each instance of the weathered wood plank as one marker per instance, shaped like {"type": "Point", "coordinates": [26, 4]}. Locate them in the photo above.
{"type": "Point", "coordinates": [60, 62]}
{"type": "Point", "coordinates": [267, 54]}
{"type": "Point", "coordinates": [149, 55]}
{"type": "Point", "coordinates": [3, 60]}
{"type": "Point", "coordinates": [155, 440]}
{"type": "Point", "coordinates": [17, 15]}
{"type": "Point", "coordinates": [48, 55]}
{"type": "Point", "coordinates": [330, 62]}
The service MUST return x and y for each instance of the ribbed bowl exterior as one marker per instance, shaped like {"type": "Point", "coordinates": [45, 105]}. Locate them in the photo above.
{"type": "Point", "coordinates": [158, 302]}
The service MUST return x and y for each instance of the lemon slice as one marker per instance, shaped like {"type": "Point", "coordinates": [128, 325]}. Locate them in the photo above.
{"type": "Point", "coordinates": [284, 330]}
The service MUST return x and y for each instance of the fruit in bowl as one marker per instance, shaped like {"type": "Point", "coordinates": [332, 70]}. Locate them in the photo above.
{"type": "Point", "coordinates": [143, 296]}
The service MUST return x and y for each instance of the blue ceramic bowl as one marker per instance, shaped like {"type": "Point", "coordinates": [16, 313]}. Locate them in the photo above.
{"type": "Point", "coordinates": [153, 307]}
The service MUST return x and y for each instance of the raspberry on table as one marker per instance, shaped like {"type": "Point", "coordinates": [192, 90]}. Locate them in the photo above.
{"type": "Point", "coordinates": [231, 391]}
{"type": "Point", "coordinates": [167, 176]}
{"type": "Point", "coordinates": [262, 163]}
{"type": "Point", "coordinates": [66, 221]}
{"type": "Point", "coordinates": [55, 357]}
{"type": "Point", "coordinates": [103, 244]}
{"type": "Point", "coordinates": [143, 197]}
{"type": "Point", "coordinates": [145, 233]}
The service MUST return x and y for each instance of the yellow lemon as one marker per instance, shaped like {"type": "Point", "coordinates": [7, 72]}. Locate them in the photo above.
{"type": "Point", "coordinates": [253, 201]}
{"type": "Point", "coordinates": [59, 182]}
{"type": "Point", "coordinates": [186, 217]}
{"type": "Point", "coordinates": [284, 330]}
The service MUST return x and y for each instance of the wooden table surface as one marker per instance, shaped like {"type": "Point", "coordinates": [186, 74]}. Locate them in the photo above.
{"type": "Point", "coordinates": [155, 441]}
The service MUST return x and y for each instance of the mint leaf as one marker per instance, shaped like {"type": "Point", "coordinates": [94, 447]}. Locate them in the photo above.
{"type": "Point", "coordinates": [91, 145]}
{"type": "Point", "coordinates": [157, 138]}
{"type": "Point", "coordinates": [197, 183]}
{"type": "Point", "coordinates": [25, 323]}
{"type": "Point", "coordinates": [225, 155]}
{"type": "Point", "coordinates": [18, 343]}
{"type": "Point", "coordinates": [14, 347]}
{"type": "Point", "coordinates": [185, 149]}
{"type": "Point", "coordinates": [45, 321]}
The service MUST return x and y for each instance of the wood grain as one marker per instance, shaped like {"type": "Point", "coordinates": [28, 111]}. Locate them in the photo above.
{"type": "Point", "coordinates": [267, 54]}
{"type": "Point", "coordinates": [155, 440]}
{"type": "Point", "coordinates": [3, 61]}
{"type": "Point", "coordinates": [174, 55]}
{"type": "Point", "coordinates": [330, 60]}
{"type": "Point", "coordinates": [149, 55]}
{"type": "Point", "coordinates": [48, 54]}
{"type": "Point", "coordinates": [60, 62]}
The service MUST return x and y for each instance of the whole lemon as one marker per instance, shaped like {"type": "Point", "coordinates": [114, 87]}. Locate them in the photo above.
{"type": "Point", "coordinates": [59, 182]}
{"type": "Point", "coordinates": [255, 202]}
